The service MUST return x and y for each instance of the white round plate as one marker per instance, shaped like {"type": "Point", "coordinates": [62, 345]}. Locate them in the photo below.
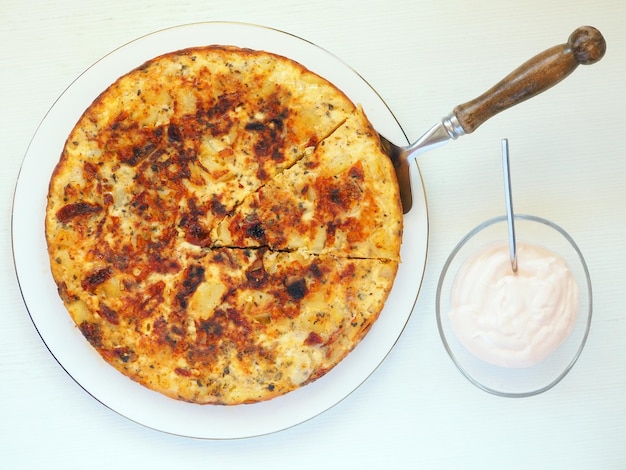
{"type": "Point", "coordinates": [65, 341]}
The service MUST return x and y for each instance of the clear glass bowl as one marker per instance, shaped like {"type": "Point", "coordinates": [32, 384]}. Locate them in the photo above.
{"type": "Point", "coordinates": [517, 382]}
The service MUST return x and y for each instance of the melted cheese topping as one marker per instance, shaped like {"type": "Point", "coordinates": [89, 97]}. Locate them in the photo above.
{"type": "Point", "coordinates": [168, 246]}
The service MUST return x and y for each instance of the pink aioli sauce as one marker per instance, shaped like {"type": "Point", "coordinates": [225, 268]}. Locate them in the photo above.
{"type": "Point", "coordinates": [513, 319]}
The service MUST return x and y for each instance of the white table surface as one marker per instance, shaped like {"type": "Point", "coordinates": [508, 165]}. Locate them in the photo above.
{"type": "Point", "coordinates": [416, 410]}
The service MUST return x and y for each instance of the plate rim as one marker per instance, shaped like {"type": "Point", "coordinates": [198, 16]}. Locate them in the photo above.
{"type": "Point", "coordinates": [421, 221]}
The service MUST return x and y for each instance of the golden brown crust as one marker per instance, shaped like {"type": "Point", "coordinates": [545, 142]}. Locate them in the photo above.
{"type": "Point", "coordinates": [168, 246]}
{"type": "Point", "coordinates": [338, 199]}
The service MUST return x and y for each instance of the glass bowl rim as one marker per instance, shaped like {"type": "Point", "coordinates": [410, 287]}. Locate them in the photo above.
{"type": "Point", "coordinates": [444, 273]}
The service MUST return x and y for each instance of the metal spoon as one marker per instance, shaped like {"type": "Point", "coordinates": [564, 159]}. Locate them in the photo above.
{"type": "Point", "coordinates": [510, 216]}
{"type": "Point", "coordinates": [584, 46]}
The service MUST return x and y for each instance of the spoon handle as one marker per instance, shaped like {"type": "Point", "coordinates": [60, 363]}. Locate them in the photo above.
{"type": "Point", "coordinates": [584, 46]}
{"type": "Point", "coordinates": [508, 197]}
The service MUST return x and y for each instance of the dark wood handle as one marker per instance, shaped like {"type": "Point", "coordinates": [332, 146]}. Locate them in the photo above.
{"type": "Point", "coordinates": [584, 46]}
